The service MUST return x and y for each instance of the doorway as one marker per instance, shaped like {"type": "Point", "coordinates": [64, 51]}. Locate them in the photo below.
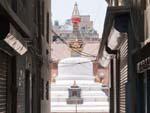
{"type": "Point", "coordinates": [28, 92]}
{"type": "Point", "coordinates": [148, 91]}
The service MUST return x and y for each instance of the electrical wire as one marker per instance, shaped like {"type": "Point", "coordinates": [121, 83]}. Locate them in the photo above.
{"type": "Point", "coordinates": [75, 63]}
{"type": "Point", "coordinates": [79, 52]}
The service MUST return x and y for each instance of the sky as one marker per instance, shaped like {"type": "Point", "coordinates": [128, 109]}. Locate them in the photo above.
{"type": "Point", "coordinates": [62, 10]}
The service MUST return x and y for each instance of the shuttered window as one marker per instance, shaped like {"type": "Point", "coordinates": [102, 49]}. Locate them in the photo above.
{"type": "Point", "coordinates": [123, 76]}
{"type": "Point", "coordinates": [3, 81]}
{"type": "Point", "coordinates": [47, 31]}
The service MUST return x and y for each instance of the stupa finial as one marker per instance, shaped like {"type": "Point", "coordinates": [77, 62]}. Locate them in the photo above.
{"type": "Point", "coordinates": [75, 12]}
{"type": "Point", "coordinates": [74, 84]}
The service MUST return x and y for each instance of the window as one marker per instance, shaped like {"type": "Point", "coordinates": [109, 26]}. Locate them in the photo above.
{"type": "Point", "coordinates": [121, 2]}
{"type": "Point", "coordinates": [36, 6]}
{"type": "Point", "coordinates": [47, 35]}
{"type": "Point", "coordinates": [24, 2]}
{"type": "Point", "coordinates": [47, 52]}
{"type": "Point", "coordinates": [14, 5]}
{"type": "Point", "coordinates": [42, 89]}
{"type": "Point", "coordinates": [147, 23]}
{"type": "Point", "coordinates": [42, 18]}
{"type": "Point", "coordinates": [47, 90]}
{"type": "Point", "coordinates": [147, 2]}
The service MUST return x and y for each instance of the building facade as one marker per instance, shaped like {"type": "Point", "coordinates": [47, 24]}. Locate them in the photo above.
{"type": "Point", "coordinates": [24, 42]}
{"type": "Point", "coordinates": [85, 27]}
{"type": "Point", "coordinates": [125, 42]}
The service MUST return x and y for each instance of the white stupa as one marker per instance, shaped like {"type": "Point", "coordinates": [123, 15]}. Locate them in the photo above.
{"type": "Point", "coordinates": [80, 70]}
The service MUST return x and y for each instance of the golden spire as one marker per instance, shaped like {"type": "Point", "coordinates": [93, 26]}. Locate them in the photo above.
{"type": "Point", "coordinates": [74, 84]}
{"type": "Point", "coordinates": [75, 12]}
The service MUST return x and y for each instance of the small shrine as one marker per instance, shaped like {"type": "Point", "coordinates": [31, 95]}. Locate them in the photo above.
{"type": "Point", "coordinates": [74, 95]}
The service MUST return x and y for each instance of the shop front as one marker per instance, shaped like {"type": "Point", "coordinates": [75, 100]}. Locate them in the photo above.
{"type": "Point", "coordinates": [13, 51]}
{"type": "Point", "coordinates": [142, 59]}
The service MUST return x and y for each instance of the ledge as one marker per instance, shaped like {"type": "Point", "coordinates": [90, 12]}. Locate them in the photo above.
{"type": "Point", "coordinates": [142, 53]}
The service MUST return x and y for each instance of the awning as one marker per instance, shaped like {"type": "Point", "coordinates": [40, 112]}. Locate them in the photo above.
{"type": "Point", "coordinates": [15, 40]}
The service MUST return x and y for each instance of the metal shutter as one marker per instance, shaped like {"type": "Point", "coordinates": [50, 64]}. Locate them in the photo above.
{"type": "Point", "coordinates": [3, 82]}
{"type": "Point", "coordinates": [123, 76]}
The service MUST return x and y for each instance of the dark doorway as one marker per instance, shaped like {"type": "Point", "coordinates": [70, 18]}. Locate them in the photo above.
{"type": "Point", "coordinates": [28, 92]}
{"type": "Point", "coordinates": [148, 91]}
{"type": "Point", "coordinates": [7, 84]}
{"type": "Point", "coordinates": [140, 94]}
{"type": "Point", "coordinates": [143, 92]}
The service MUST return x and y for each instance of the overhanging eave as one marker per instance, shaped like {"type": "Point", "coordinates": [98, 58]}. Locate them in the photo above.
{"type": "Point", "coordinates": [109, 19]}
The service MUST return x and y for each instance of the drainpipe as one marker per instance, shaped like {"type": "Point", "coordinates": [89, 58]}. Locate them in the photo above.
{"type": "Point", "coordinates": [115, 105]}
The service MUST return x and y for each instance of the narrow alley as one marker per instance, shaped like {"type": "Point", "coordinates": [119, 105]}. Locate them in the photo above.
{"type": "Point", "coordinates": [74, 56]}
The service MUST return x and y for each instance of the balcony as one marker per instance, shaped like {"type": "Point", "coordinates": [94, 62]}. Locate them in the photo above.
{"type": "Point", "coordinates": [115, 3]}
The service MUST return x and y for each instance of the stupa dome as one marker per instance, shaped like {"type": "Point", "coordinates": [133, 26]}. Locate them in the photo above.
{"type": "Point", "coordinates": [75, 68]}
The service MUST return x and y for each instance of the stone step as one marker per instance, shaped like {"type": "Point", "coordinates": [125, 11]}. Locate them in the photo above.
{"type": "Point", "coordinates": [81, 85]}
{"type": "Point", "coordinates": [70, 82]}
{"type": "Point", "coordinates": [79, 108]}
{"type": "Point", "coordinates": [81, 82]}
{"type": "Point", "coordinates": [75, 77]}
{"type": "Point", "coordinates": [84, 99]}
{"type": "Point", "coordinates": [82, 88]}
{"type": "Point", "coordinates": [82, 96]}
{"type": "Point", "coordinates": [85, 104]}
{"type": "Point", "coordinates": [79, 112]}
{"type": "Point", "coordinates": [84, 93]}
